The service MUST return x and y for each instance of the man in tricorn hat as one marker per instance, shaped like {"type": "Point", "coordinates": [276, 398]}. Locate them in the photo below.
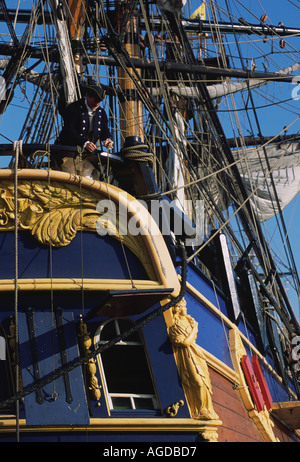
{"type": "Point", "coordinates": [85, 122]}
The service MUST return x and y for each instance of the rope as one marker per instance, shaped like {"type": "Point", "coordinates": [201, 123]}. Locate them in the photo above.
{"type": "Point", "coordinates": [79, 362]}
{"type": "Point", "coordinates": [121, 241]}
{"type": "Point", "coordinates": [17, 151]}
{"type": "Point", "coordinates": [240, 207]}
{"type": "Point", "coordinates": [54, 393]}
{"type": "Point", "coordinates": [226, 167]}
{"type": "Point", "coordinates": [137, 153]}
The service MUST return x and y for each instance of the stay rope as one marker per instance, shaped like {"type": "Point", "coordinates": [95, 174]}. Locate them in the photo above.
{"type": "Point", "coordinates": [17, 151]}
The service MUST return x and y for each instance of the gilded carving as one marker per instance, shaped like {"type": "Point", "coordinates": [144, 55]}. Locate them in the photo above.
{"type": "Point", "coordinates": [86, 342]}
{"type": "Point", "coordinates": [54, 212]}
{"type": "Point", "coordinates": [41, 210]}
{"type": "Point", "coordinates": [210, 434]}
{"type": "Point", "coordinates": [261, 419]}
{"type": "Point", "coordinates": [173, 410]}
{"type": "Point", "coordinates": [191, 364]}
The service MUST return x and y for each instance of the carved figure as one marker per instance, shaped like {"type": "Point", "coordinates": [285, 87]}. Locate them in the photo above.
{"type": "Point", "coordinates": [191, 364]}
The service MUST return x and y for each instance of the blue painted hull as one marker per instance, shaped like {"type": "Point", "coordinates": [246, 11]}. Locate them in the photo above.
{"type": "Point", "coordinates": [90, 257]}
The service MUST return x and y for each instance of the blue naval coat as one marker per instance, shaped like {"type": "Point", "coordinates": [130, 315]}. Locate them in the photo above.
{"type": "Point", "coordinates": [76, 125]}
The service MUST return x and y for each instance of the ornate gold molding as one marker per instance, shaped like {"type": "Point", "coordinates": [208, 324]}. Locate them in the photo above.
{"type": "Point", "coordinates": [207, 429]}
{"type": "Point", "coordinates": [220, 367]}
{"type": "Point", "coordinates": [261, 419]}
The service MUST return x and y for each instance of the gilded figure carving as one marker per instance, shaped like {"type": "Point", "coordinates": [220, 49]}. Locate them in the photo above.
{"type": "Point", "coordinates": [191, 364]}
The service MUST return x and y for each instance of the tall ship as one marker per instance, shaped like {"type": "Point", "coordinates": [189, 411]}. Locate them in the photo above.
{"type": "Point", "coordinates": [149, 155]}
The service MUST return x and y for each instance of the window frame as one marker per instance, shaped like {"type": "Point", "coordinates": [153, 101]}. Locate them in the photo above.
{"type": "Point", "coordinates": [132, 397]}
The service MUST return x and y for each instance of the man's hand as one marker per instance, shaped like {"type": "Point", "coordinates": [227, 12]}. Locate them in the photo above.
{"type": "Point", "coordinates": [108, 143]}
{"type": "Point", "coordinates": [89, 146]}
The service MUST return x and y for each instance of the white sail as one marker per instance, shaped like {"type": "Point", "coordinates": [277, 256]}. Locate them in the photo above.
{"type": "Point", "coordinates": [222, 89]}
{"type": "Point", "coordinates": [174, 163]}
{"type": "Point", "coordinates": [283, 167]}
{"type": "Point", "coordinates": [171, 5]}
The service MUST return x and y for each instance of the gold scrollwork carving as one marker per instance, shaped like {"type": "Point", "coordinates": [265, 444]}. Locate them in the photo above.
{"type": "Point", "coordinates": [173, 410]}
{"type": "Point", "coordinates": [54, 212]}
{"type": "Point", "coordinates": [86, 342]}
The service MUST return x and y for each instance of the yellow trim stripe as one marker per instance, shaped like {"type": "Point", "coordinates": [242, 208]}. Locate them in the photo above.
{"type": "Point", "coordinates": [77, 284]}
{"type": "Point", "coordinates": [113, 425]}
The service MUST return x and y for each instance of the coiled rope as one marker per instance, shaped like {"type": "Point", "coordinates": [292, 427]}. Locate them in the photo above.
{"type": "Point", "coordinates": [137, 153]}
{"type": "Point", "coordinates": [80, 361]}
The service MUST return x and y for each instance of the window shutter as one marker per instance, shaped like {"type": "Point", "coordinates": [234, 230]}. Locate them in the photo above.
{"type": "Point", "coordinates": [47, 342]}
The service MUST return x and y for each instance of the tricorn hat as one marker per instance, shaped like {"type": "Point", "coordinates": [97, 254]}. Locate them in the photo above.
{"type": "Point", "coordinates": [94, 90]}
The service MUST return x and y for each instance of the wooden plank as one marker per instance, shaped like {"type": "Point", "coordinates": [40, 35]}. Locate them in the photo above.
{"type": "Point", "coordinates": [288, 413]}
{"type": "Point", "coordinates": [237, 426]}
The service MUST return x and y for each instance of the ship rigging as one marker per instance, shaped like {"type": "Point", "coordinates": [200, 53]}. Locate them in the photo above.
{"type": "Point", "coordinates": [181, 86]}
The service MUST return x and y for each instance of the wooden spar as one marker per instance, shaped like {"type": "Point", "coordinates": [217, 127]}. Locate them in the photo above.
{"type": "Point", "coordinates": [77, 9]}
{"type": "Point", "coordinates": [131, 109]}
{"type": "Point", "coordinates": [196, 25]}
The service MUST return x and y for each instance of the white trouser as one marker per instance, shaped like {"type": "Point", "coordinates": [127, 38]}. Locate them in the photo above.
{"type": "Point", "coordinates": [80, 167]}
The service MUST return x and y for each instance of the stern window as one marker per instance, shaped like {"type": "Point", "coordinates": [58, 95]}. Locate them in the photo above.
{"type": "Point", "coordinates": [125, 368]}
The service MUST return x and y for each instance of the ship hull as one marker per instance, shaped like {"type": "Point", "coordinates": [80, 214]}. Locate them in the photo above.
{"type": "Point", "coordinates": [69, 291]}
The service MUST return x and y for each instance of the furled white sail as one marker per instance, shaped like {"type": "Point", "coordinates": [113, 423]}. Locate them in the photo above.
{"type": "Point", "coordinates": [282, 166]}
{"type": "Point", "coordinates": [70, 80]}
{"type": "Point", "coordinates": [174, 163]}
{"type": "Point", "coordinates": [171, 5]}
{"type": "Point", "coordinates": [177, 176]}
{"type": "Point", "coordinates": [222, 89]}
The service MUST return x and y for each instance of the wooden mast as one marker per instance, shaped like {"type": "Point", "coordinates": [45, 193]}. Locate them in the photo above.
{"type": "Point", "coordinates": [131, 109]}
{"type": "Point", "coordinates": [77, 9]}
